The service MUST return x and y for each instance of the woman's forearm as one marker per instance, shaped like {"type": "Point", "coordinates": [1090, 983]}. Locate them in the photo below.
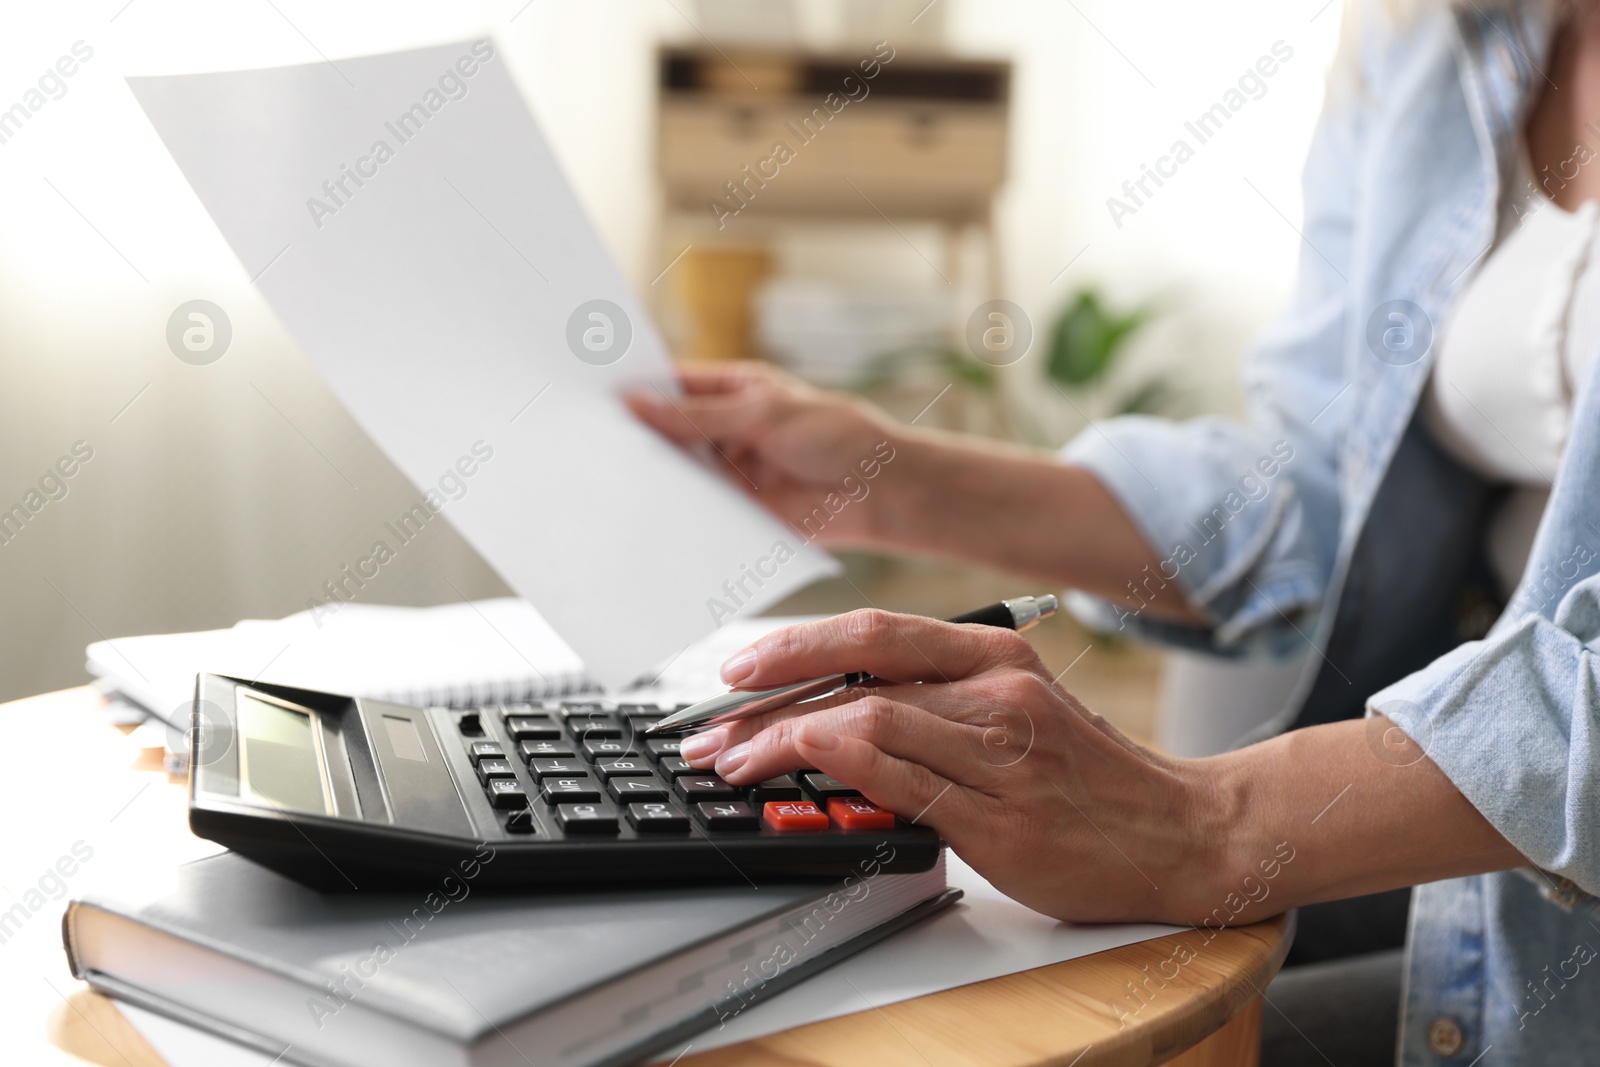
{"type": "Point", "coordinates": [1023, 511]}
{"type": "Point", "coordinates": [1336, 811]}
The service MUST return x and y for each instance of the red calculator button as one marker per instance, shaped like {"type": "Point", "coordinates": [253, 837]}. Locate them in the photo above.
{"type": "Point", "coordinates": [855, 813]}
{"type": "Point", "coordinates": [793, 815]}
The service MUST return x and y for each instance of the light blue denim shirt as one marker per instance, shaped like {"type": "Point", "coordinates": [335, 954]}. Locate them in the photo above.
{"type": "Point", "coordinates": [1329, 518]}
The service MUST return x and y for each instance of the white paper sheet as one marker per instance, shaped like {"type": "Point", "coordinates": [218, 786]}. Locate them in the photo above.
{"type": "Point", "coordinates": [409, 225]}
{"type": "Point", "coordinates": [984, 936]}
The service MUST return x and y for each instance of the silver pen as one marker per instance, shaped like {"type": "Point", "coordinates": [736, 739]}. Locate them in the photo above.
{"type": "Point", "coordinates": [1018, 613]}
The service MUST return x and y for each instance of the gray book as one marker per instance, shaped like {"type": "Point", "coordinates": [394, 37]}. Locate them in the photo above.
{"type": "Point", "coordinates": [457, 976]}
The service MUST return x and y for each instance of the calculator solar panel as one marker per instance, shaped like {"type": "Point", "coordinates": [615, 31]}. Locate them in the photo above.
{"type": "Point", "coordinates": [343, 793]}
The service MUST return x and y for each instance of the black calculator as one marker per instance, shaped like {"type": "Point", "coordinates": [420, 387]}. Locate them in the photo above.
{"type": "Point", "coordinates": [345, 793]}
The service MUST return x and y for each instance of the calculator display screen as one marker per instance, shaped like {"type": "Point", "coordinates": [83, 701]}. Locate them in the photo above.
{"type": "Point", "coordinates": [280, 763]}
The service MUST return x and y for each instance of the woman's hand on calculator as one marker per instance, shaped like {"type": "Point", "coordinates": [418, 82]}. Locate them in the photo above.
{"type": "Point", "coordinates": [971, 735]}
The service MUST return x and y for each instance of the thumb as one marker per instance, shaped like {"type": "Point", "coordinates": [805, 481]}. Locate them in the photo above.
{"type": "Point", "coordinates": [714, 417]}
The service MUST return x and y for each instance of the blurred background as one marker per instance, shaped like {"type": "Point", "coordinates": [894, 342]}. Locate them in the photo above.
{"type": "Point", "coordinates": [977, 165]}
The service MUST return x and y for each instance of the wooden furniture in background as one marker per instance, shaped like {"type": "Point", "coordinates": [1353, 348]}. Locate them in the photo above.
{"type": "Point", "coordinates": [718, 287]}
{"type": "Point", "coordinates": [925, 138]}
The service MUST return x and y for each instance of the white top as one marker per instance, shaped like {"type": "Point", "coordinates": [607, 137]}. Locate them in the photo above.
{"type": "Point", "coordinates": [1518, 346]}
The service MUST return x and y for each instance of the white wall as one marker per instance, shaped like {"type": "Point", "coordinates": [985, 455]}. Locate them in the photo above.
{"type": "Point", "coordinates": [236, 489]}
{"type": "Point", "coordinates": [1215, 253]}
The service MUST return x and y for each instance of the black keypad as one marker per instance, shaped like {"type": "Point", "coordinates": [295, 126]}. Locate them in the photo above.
{"type": "Point", "coordinates": [601, 776]}
{"type": "Point", "coordinates": [621, 766]}
{"type": "Point", "coordinates": [544, 749]}
{"type": "Point", "coordinates": [564, 790]}
{"type": "Point", "coordinates": [663, 746]}
{"type": "Point", "coordinates": [657, 818]}
{"type": "Point", "coordinates": [823, 788]}
{"type": "Point", "coordinates": [507, 793]}
{"type": "Point", "coordinates": [586, 819]}
{"type": "Point", "coordinates": [533, 728]}
{"type": "Point", "coordinates": [495, 768]}
{"type": "Point", "coordinates": [601, 749]}
{"type": "Point", "coordinates": [624, 790]}
{"type": "Point", "coordinates": [672, 766]}
{"type": "Point", "coordinates": [727, 815]}
{"type": "Point", "coordinates": [557, 768]}
{"type": "Point", "coordinates": [783, 787]}
{"type": "Point", "coordinates": [704, 787]}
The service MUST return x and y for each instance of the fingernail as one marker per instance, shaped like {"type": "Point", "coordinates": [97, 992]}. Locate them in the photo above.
{"type": "Point", "coordinates": [701, 745]}
{"type": "Point", "coordinates": [733, 759]}
{"type": "Point", "coordinates": [740, 666]}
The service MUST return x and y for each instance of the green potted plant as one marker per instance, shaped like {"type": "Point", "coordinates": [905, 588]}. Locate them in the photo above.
{"type": "Point", "coordinates": [1085, 342]}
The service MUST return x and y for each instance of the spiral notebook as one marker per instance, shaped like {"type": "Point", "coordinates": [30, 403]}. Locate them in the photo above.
{"type": "Point", "coordinates": [468, 654]}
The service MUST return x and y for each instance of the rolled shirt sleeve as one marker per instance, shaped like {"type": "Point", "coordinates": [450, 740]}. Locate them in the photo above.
{"type": "Point", "coordinates": [1220, 506]}
{"type": "Point", "coordinates": [1512, 721]}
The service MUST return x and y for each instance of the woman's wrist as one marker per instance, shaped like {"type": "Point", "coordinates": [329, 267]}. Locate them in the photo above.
{"type": "Point", "coordinates": [1238, 857]}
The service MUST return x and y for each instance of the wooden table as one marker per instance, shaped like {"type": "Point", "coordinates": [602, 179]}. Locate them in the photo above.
{"type": "Point", "coordinates": [74, 780]}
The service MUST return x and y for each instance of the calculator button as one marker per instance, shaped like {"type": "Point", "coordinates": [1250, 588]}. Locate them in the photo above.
{"type": "Point", "coordinates": [563, 790]}
{"type": "Point", "coordinates": [859, 813]}
{"type": "Point", "coordinates": [521, 822]}
{"type": "Point", "coordinates": [794, 815]}
{"type": "Point", "coordinates": [558, 768]}
{"type": "Point", "coordinates": [641, 711]}
{"type": "Point", "coordinates": [470, 723]}
{"type": "Point", "coordinates": [586, 819]}
{"type": "Point", "coordinates": [533, 728]}
{"type": "Point", "coordinates": [704, 787]}
{"type": "Point", "coordinates": [507, 793]}
{"type": "Point", "coordinates": [487, 750]}
{"type": "Point", "coordinates": [495, 768]}
{"type": "Point", "coordinates": [600, 749]}
{"type": "Point", "coordinates": [511, 711]}
{"type": "Point", "coordinates": [824, 788]}
{"type": "Point", "coordinates": [621, 766]}
{"type": "Point", "coordinates": [783, 787]}
{"type": "Point", "coordinates": [628, 789]}
{"type": "Point", "coordinates": [657, 819]}
{"type": "Point", "coordinates": [587, 713]}
{"type": "Point", "coordinates": [544, 749]}
{"type": "Point", "coordinates": [663, 747]}
{"type": "Point", "coordinates": [672, 766]}
{"type": "Point", "coordinates": [594, 731]}
{"type": "Point", "coordinates": [581, 707]}
{"type": "Point", "coordinates": [726, 815]}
